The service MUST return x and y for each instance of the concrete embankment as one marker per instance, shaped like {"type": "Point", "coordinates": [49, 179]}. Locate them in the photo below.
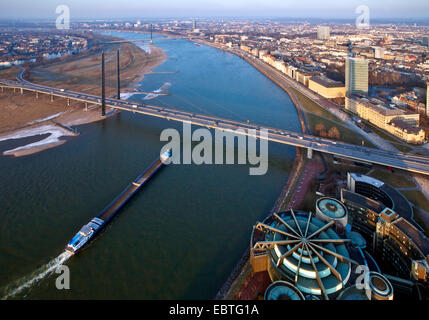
{"type": "Point", "coordinates": [234, 280]}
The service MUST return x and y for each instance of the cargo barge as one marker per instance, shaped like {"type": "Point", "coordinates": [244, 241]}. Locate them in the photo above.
{"type": "Point", "coordinates": [88, 231]}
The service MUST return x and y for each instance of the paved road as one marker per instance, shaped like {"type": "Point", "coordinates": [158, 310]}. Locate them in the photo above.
{"type": "Point", "coordinates": [398, 160]}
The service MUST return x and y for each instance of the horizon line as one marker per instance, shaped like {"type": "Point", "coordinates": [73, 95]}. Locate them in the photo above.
{"type": "Point", "coordinates": [212, 17]}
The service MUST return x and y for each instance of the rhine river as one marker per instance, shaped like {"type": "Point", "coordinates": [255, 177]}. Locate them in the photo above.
{"type": "Point", "coordinates": [183, 233]}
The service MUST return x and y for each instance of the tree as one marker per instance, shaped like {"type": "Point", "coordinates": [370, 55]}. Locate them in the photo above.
{"type": "Point", "coordinates": [334, 133]}
{"type": "Point", "coordinates": [319, 128]}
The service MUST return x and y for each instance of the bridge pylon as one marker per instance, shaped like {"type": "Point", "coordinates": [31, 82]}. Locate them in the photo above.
{"type": "Point", "coordinates": [118, 68]}
{"type": "Point", "coordinates": [103, 87]}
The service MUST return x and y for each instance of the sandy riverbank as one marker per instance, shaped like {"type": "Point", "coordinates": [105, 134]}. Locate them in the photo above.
{"type": "Point", "coordinates": [25, 116]}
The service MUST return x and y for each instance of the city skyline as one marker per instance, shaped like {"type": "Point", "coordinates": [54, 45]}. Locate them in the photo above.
{"type": "Point", "coordinates": [380, 9]}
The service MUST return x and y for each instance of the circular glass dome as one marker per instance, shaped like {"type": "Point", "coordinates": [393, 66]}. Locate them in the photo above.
{"type": "Point", "coordinates": [380, 286]}
{"type": "Point", "coordinates": [332, 208]}
{"type": "Point", "coordinates": [282, 290]}
{"type": "Point", "coordinates": [308, 252]}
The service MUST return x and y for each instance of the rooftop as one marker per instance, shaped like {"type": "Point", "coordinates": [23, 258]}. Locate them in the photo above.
{"type": "Point", "coordinates": [308, 252]}
{"type": "Point", "coordinates": [366, 179]}
{"type": "Point", "coordinates": [415, 235]}
{"type": "Point", "coordinates": [405, 126]}
{"type": "Point", "coordinates": [363, 201]}
{"type": "Point", "coordinates": [331, 208]}
{"type": "Point", "coordinates": [378, 105]}
{"type": "Point", "coordinates": [326, 82]}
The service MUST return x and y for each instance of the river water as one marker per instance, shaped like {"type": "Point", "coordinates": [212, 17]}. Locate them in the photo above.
{"type": "Point", "coordinates": [180, 237]}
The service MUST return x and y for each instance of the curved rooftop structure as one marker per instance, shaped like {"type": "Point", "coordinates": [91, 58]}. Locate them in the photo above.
{"type": "Point", "coordinates": [329, 209]}
{"type": "Point", "coordinates": [282, 290]}
{"type": "Point", "coordinates": [378, 288]}
{"type": "Point", "coordinates": [383, 193]}
{"type": "Point", "coordinates": [357, 240]}
{"type": "Point", "coordinates": [353, 293]}
{"type": "Point", "coordinates": [307, 251]}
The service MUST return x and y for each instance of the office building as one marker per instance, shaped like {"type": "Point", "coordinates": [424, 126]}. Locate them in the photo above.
{"type": "Point", "coordinates": [327, 88]}
{"type": "Point", "coordinates": [427, 99]}
{"type": "Point", "coordinates": [402, 124]}
{"type": "Point", "coordinates": [317, 256]}
{"type": "Point", "coordinates": [356, 76]}
{"type": "Point", "coordinates": [323, 33]}
{"type": "Point", "coordinates": [378, 53]}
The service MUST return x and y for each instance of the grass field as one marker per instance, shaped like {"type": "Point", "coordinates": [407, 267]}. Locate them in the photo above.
{"type": "Point", "coordinates": [401, 147]}
{"type": "Point", "coordinates": [9, 73]}
{"type": "Point", "coordinates": [346, 135]}
{"type": "Point", "coordinates": [398, 144]}
{"type": "Point", "coordinates": [420, 218]}
{"type": "Point", "coordinates": [417, 198]}
{"type": "Point", "coordinates": [310, 106]}
{"type": "Point", "coordinates": [395, 180]}
{"type": "Point", "coordinates": [328, 120]}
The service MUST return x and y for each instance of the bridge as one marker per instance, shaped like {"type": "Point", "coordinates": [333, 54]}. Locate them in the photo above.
{"type": "Point", "coordinates": [411, 163]}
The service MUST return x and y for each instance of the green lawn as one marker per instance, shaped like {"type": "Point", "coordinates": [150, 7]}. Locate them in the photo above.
{"type": "Point", "coordinates": [417, 198]}
{"type": "Point", "coordinates": [401, 147]}
{"type": "Point", "coordinates": [380, 132]}
{"type": "Point", "coordinates": [420, 218]}
{"type": "Point", "coordinates": [346, 135]}
{"type": "Point", "coordinates": [395, 180]}
{"type": "Point", "coordinates": [310, 106]}
{"type": "Point", "coordinates": [397, 143]}
{"type": "Point", "coordinates": [342, 167]}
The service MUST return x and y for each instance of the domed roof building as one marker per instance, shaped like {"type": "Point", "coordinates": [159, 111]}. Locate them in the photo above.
{"type": "Point", "coordinates": [324, 255]}
{"type": "Point", "coordinates": [304, 250]}
{"type": "Point", "coordinates": [282, 290]}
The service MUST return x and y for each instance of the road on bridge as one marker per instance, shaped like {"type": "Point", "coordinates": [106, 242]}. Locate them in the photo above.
{"type": "Point", "coordinates": [412, 163]}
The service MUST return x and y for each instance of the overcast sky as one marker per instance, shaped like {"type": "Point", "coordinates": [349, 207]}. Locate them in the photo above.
{"type": "Point", "coordinates": [339, 9]}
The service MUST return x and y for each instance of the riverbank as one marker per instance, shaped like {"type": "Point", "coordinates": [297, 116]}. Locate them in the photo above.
{"type": "Point", "coordinates": [22, 115]}
{"type": "Point", "coordinates": [242, 274]}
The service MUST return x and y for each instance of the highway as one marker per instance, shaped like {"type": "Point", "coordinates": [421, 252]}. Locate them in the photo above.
{"type": "Point", "coordinates": [411, 163]}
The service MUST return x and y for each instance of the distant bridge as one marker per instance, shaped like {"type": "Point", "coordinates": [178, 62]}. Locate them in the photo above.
{"type": "Point", "coordinates": [411, 163]}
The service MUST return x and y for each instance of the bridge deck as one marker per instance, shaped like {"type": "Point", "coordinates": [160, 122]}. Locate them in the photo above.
{"type": "Point", "coordinates": [399, 160]}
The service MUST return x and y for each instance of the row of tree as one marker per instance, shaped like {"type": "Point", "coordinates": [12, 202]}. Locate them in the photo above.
{"type": "Point", "coordinates": [332, 133]}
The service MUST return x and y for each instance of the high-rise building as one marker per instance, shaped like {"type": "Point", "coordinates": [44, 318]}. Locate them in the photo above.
{"type": "Point", "coordinates": [427, 99]}
{"type": "Point", "coordinates": [379, 53]}
{"type": "Point", "coordinates": [194, 24]}
{"type": "Point", "coordinates": [356, 76]}
{"type": "Point", "coordinates": [323, 33]}
{"type": "Point", "coordinates": [426, 41]}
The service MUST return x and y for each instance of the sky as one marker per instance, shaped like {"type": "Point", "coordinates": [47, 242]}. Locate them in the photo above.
{"type": "Point", "coordinates": [339, 9]}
